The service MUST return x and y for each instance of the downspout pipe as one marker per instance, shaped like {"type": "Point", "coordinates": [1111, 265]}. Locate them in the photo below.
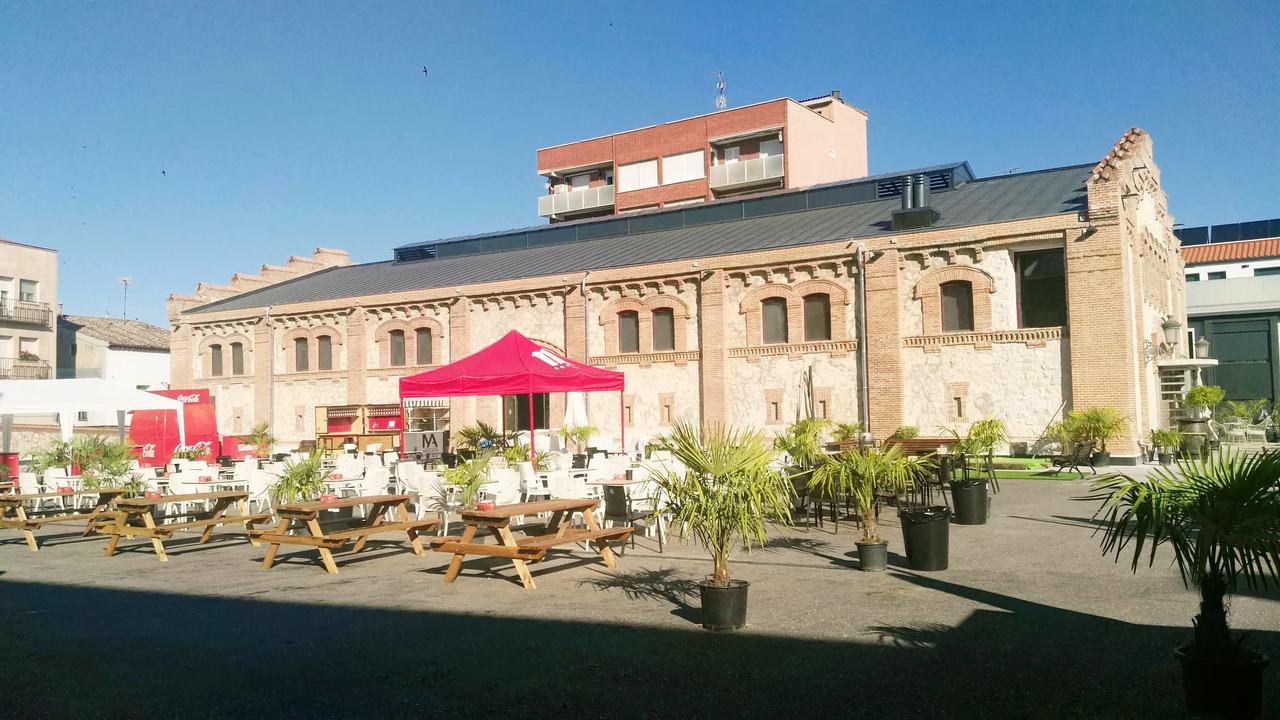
{"type": "Point", "coordinates": [586, 317]}
{"type": "Point", "coordinates": [864, 390]}
{"type": "Point", "coordinates": [271, 366]}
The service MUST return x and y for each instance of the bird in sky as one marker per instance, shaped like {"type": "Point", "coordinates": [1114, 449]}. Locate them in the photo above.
{"type": "Point", "coordinates": [163, 172]}
{"type": "Point", "coordinates": [425, 72]}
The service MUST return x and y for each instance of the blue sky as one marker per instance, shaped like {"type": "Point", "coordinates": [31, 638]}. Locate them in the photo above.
{"type": "Point", "coordinates": [178, 142]}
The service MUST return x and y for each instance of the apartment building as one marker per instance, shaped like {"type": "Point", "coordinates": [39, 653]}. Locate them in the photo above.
{"type": "Point", "coordinates": [28, 311]}
{"type": "Point", "coordinates": [929, 297]}
{"type": "Point", "coordinates": [1233, 301]}
{"type": "Point", "coordinates": [778, 144]}
{"type": "Point", "coordinates": [126, 351]}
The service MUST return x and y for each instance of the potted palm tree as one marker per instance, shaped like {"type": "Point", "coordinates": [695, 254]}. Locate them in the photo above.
{"type": "Point", "coordinates": [260, 438]}
{"type": "Point", "coordinates": [1100, 425]}
{"type": "Point", "coordinates": [301, 480]}
{"type": "Point", "coordinates": [1221, 516]}
{"type": "Point", "coordinates": [468, 477]}
{"type": "Point", "coordinates": [578, 435]}
{"type": "Point", "coordinates": [862, 474]}
{"type": "Point", "coordinates": [1166, 443]}
{"type": "Point", "coordinates": [109, 466]}
{"type": "Point", "coordinates": [723, 495]}
{"type": "Point", "coordinates": [971, 493]}
{"type": "Point", "coordinates": [801, 441]}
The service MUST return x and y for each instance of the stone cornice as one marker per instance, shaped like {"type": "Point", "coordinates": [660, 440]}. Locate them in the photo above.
{"type": "Point", "coordinates": [646, 359]}
{"type": "Point", "coordinates": [1033, 337]}
{"type": "Point", "coordinates": [837, 348]}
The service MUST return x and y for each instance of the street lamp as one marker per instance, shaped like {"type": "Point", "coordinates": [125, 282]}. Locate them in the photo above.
{"type": "Point", "coordinates": [1172, 334]}
{"type": "Point", "coordinates": [1202, 349]}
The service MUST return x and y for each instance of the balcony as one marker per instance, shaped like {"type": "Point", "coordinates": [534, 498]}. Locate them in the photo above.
{"type": "Point", "coordinates": [18, 369]}
{"type": "Point", "coordinates": [566, 203]}
{"type": "Point", "coordinates": [745, 173]}
{"type": "Point", "coordinates": [24, 312]}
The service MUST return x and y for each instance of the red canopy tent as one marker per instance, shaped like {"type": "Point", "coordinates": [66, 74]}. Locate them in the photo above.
{"type": "Point", "coordinates": [514, 365]}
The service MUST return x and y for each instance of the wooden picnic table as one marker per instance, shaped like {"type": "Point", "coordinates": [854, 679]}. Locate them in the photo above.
{"type": "Point", "coordinates": [6, 487]}
{"type": "Point", "coordinates": [308, 513]}
{"type": "Point", "coordinates": [530, 549]}
{"type": "Point", "coordinates": [135, 517]}
{"type": "Point", "coordinates": [11, 504]}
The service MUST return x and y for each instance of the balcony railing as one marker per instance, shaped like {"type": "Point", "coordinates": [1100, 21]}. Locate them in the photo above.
{"type": "Point", "coordinates": [24, 312]}
{"type": "Point", "coordinates": [576, 201]}
{"type": "Point", "coordinates": [18, 369]}
{"type": "Point", "coordinates": [746, 172]}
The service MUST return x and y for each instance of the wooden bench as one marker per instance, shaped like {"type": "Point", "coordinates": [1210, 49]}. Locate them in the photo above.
{"type": "Point", "coordinates": [11, 504]}
{"type": "Point", "coordinates": [308, 514]}
{"type": "Point", "coordinates": [910, 446]}
{"type": "Point", "coordinates": [135, 517]}
{"type": "Point", "coordinates": [530, 549]}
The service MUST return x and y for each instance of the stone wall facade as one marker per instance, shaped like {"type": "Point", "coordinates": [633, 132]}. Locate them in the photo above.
{"type": "Point", "coordinates": [1124, 276]}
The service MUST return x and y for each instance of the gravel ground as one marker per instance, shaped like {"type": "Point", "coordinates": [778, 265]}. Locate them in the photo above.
{"type": "Point", "coordinates": [1030, 621]}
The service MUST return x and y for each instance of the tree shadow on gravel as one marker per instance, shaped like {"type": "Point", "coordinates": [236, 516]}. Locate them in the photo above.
{"type": "Point", "coordinates": [666, 585]}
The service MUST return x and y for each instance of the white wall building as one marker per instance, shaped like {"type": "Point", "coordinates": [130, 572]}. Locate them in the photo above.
{"type": "Point", "coordinates": [28, 305]}
{"type": "Point", "coordinates": [128, 351]}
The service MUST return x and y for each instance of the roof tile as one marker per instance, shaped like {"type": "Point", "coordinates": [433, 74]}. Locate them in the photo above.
{"type": "Point", "coordinates": [1231, 251]}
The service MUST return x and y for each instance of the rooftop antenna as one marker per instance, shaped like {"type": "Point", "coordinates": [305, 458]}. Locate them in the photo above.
{"type": "Point", "coordinates": [124, 312]}
{"type": "Point", "coordinates": [721, 103]}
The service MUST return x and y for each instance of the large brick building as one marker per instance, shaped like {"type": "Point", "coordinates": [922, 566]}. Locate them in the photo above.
{"type": "Point", "coordinates": [1016, 296]}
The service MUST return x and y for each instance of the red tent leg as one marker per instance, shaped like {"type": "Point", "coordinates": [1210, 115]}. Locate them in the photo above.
{"type": "Point", "coordinates": [622, 421]}
{"type": "Point", "coordinates": [533, 451]}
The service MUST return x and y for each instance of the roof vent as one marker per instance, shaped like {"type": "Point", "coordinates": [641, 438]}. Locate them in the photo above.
{"type": "Point", "coordinates": [915, 212]}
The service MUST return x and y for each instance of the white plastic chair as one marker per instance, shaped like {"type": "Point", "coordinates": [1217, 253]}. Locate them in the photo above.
{"type": "Point", "coordinates": [259, 486]}
{"type": "Point", "coordinates": [531, 486]}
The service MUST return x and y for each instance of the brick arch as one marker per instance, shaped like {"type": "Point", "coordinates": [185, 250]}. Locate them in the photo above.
{"type": "Point", "coordinates": [382, 339]}
{"type": "Point", "coordinates": [205, 352]}
{"type": "Point", "coordinates": [644, 308]}
{"type": "Point", "coordinates": [750, 308]}
{"type": "Point", "coordinates": [838, 297]}
{"type": "Point", "coordinates": [313, 359]}
{"type": "Point", "coordinates": [928, 292]}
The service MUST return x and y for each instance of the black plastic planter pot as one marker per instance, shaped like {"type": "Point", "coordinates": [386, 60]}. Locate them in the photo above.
{"type": "Point", "coordinates": [724, 607]}
{"type": "Point", "coordinates": [1273, 434]}
{"type": "Point", "coordinates": [1223, 687]}
{"type": "Point", "coordinates": [1165, 458]}
{"type": "Point", "coordinates": [970, 499]}
{"type": "Point", "coordinates": [580, 461]}
{"type": "Point", "coordinates": [926, 534]}
{"type": "Point", "coordinates": [873, 557]}
{"type": "Point", "coordinates": [1102, 459]}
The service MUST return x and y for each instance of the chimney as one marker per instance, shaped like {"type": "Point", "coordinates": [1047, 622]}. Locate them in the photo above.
{"type": "Point", "coordinates": [915, 213]}
{"type": "Point", "coordinates": [835, 94]}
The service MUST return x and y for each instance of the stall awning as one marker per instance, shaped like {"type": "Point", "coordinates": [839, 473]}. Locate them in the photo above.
{"type": "Point", "coordinates": [335, 413]}
{"type": "Point", "coordinates": [438, 403]}
{"type": "Point", "coordinates": [384, 411]}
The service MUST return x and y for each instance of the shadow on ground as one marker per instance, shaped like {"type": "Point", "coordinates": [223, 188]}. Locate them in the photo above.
{"type": "Point", "coordinates": [92, 652]}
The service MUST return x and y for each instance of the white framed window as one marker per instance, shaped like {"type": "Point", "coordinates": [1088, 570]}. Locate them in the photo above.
{"type": "Point", "coordinates": [683, 167]}
{"type": "Point", "coordinates": [729, 155]}
{"type": "Point", "coordinates": [28, 345]}
{"type": "Point", "coordinates": [27, 290]}
{"type": "Point", "coordinates": [581, 181]}
{"type": "Point", "coordinates": [6, 346]}
{"type": "Point", "coordinates": [770, 148]}
{"type": "Point", "coordinates": [638, 176]}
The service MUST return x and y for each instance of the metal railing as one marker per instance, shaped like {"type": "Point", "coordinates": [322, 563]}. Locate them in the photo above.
{"type": "Point", "coordinates": [25, 312]}
{"type": "Point", "coordinates": [566, 202]}
{"type": "Point", "coordinates": [17, 369]}
{"type": "Point", "coordinates": [746, 172]}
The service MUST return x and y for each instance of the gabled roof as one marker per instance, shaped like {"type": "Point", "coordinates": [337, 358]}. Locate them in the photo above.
{"type": "Point", "coordinates": [785, 219]}
{"type": "Point", "coordinates": [1230, 251]}
{"type": "Point", "coordinates": [118, 333]}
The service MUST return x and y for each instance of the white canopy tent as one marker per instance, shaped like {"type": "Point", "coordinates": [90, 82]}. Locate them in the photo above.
{"type": "Point", "coordinates": [68, 397]}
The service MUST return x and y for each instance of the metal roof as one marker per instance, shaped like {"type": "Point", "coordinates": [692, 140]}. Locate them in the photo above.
{"type": "Point", "coordinates": [979, 202]}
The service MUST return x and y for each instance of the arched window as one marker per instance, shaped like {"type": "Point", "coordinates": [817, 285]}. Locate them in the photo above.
{"type": "Point", "coordinates": [215, 360]}
{"type": "Point", "coordinates": [422, 337]}
{"type": "Point", "coordinates": [397, 347]}
{"type": "Point", "coordinates": [324, 352]}
{"type": "Point", "coordinates": [774, 312]}
{"type": "Point", "coordinates": [817, 317]}
{"type": "Point", "coordinates": [957, 306]}
{"type": "Point", "coordinates": [301, 355]}
{"type": "Point", "coordinates": [629, 332]}
{"type": "Point", "coordinates": [664, 330]}
{"type": "Point", "coordinates": [237, 358]}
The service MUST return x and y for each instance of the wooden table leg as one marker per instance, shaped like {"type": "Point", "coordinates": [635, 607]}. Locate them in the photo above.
{"type": "Point", "coordinates": [156, 542]}
{"type": "Point", "coordinates": [281, 529]}
{"type": "Point", "coordinates": [455, 565]}
{"type": "Point", "coordinates": [326, 555]}
{"type": "Point", "coordinates": [375, 518]}
{"type": "Point", "coordinates": [605, 551]}
{"type": "Point", "coordinates": [509, 540]}
{"type": "Point", "coordinates": [219, 508]}
{"type": "Point", "coordinates": [99, 509]}
{"type": "Point", "coordinates": [117, 529]}
{"type": "Point", "coordinates": [30, 536]}
{"type": "Point", "coordinates": [402, 510]}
